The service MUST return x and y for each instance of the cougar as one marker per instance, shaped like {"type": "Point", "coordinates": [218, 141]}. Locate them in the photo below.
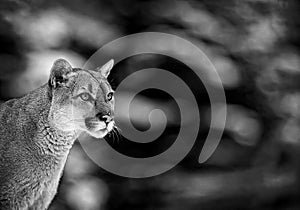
{"type": "Point", "coordinates": [38, 130]}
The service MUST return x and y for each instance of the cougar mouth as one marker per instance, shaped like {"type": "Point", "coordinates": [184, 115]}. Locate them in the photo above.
{"type": "Point", "coordinates": [98, 128]}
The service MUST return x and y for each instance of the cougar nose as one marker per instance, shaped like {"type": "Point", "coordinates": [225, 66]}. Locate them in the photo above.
{"type": "Point", "coordinates": [105, 118]}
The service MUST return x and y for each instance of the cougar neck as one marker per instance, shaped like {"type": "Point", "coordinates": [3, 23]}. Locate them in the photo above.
{"type": "Point", "coordinates": [50, 140]}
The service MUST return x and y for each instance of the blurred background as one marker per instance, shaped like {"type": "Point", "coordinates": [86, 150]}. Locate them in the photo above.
{"type": "Point", "coordinates": [254, 45]}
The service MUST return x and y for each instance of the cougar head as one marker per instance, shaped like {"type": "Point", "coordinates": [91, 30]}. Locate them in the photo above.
{"type": "Point", "coordinates": [82, 100]}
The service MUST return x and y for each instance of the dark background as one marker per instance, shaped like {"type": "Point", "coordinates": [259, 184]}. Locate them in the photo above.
{"type": "Point", "coordinates": [254, 45]}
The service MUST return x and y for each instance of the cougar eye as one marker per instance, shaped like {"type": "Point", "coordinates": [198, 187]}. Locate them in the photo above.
{"type": "Point", "coordinates": [109, 96]}
{"type": "Point", "coordinates": [86, 97]}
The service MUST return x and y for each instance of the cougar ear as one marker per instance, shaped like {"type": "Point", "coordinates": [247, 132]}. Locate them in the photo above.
{"type": "Point", "coordinates": [60, 73]}
{"type": "Point", "coordinates": [105, 69]}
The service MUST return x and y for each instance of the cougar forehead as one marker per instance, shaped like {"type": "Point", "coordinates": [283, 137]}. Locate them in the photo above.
{"type": "Point", "coordinates": [91, 82]}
